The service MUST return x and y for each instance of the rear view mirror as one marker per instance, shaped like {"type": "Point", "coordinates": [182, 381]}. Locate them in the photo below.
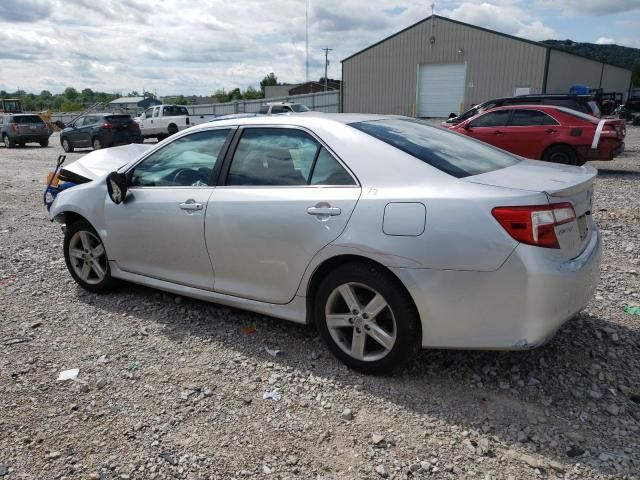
{"type": "Point", "coordinates": [117, 187]}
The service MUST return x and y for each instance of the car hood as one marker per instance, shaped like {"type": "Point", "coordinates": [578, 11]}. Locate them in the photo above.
{"type": "Point", "coordinates": [100, 162]}
{"type": "Point", "coordinates": [539, 176]}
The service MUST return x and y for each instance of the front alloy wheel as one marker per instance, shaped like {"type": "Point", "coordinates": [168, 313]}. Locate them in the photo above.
{"type": "Point", "coordinates": [86, 258]}
{"type": "Point", "coordinates": [367, 318]}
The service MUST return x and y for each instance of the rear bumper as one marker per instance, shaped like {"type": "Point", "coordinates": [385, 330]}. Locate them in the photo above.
{"type": "Point", "coordinates": [519, 306]}
{"type": "Point", "coordinates": [604, 152]}
{"type": "Point", "coordinates": [121, 138]}
{"type": "Point", "coordinates": [31, 137]}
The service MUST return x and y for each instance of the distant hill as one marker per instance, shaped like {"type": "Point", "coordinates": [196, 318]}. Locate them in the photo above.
{"type": "Point", "coordinates": [614, 54]}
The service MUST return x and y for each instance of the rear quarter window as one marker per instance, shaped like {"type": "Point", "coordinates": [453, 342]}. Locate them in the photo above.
{"type": "Point", "coordinates": [449, 152]}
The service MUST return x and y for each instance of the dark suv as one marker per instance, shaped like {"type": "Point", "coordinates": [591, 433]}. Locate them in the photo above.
{"type": "Point", "coordinates": [581, 103]}
{"type": "Point", "coordinates": [100, 130]}
{"type": "Point", "coordinates": [22, 128]}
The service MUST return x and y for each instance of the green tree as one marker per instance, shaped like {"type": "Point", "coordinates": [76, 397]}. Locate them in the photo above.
{"type": "Point", "coordinates": [68, 106]}
{"type": "Point", "coordinates": [221, 96]}
{"type": "Point", "coordinates": [252, 94]}
{"type": "Point", "coordinates": [635, 74]}
{"type": "Point", "coordinates": [71, 94]}
{"type": "Point", "coordinates": [269, 80]}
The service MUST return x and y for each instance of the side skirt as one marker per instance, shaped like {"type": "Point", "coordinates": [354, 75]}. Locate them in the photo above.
{"type": "Point", "coordinates": [294, 311]}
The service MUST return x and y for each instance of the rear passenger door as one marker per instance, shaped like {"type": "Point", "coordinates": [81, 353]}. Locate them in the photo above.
{"type": "Point", "coordinates": [530, 133]}
{"type": "Point", "coordinates": [283, 196]}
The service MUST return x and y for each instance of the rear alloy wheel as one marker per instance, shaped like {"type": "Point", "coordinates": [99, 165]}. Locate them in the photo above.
{"type": "Point", "coordinates": [97, 144]}
{"type": "Point", "coordinates": [367, 320]}
{"type": "Point", "coordinates": [562, 154]}
{"type": "Point", "coordinates": [66, 145]}
{"type": "Point", "coordinates": [8, 143]}
{"type": "Point", "coordinates": [86, 258]}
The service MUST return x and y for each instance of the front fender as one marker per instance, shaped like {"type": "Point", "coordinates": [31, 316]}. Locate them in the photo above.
{"type": "Point", "coordinates": [86, 200]}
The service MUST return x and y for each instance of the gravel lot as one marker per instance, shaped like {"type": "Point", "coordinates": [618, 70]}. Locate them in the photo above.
{"type": "Point", "coordinates": [172, 388]}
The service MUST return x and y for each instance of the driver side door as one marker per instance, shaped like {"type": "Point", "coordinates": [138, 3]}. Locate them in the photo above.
{"type": "Point", "coordinates": [490, 128]}
{"type": "Point", "coordinates": [158, 231]}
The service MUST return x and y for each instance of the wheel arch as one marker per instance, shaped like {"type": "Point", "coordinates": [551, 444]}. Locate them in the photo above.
{"type": "Point", "coordinates": [561, 144]}
{"type": "Point", "coordinates": [331, 264]}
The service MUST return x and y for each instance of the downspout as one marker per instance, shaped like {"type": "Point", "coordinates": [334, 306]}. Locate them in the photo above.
{"type": "Point", "coordinates": [547, 56]}
{"type": "Point", "coordinates": [601, 75]}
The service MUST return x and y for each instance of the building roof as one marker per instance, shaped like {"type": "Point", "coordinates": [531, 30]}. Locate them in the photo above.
{"type": "Point", "coordinates": [128, 100]}
{"type": "Point", "coordinates": [470, 25]}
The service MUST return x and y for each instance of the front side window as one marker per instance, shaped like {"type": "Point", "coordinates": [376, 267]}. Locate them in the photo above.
{"type": "Point", "coordinates": [148, 113]}
{"type": "Point", "coordinates": [186, 162]}
{"type": "Point", "coordinates": [492, 119]}
{"type": "Point", "coordinates": [526, 118]}
{"type": "Point", "coordinates": [273, 157]}
{"type": "Point", "coordinates": [79, 123]}
{"type": "Point", "coordinates": [449, 152]}
{"type": "Point", "coordinates": [156, 111]}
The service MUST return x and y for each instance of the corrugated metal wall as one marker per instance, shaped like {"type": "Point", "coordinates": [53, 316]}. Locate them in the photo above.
{"type": "Point", "coordinates": [566, 70]}
{"type": "Point", "coordinates": [383, 78]}
{"type": "Point", "coordinates": [616, 79]}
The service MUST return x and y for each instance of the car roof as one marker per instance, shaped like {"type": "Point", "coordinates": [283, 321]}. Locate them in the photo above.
{"type": "Point", "coordinates": [532, 106]}
{"type": "Point", "coordinates": [307, 119]}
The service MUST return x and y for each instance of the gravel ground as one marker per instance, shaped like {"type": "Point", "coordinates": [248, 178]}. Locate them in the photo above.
{"type": "Point", "coordinates": [172, 388]}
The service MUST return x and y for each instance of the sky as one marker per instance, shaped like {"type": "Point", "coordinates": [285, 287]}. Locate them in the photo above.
{"type": "Point", "coordinates": [198, 46]}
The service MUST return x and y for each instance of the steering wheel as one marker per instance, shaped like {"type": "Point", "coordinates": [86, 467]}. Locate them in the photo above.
{"type": "Point", "coordinates": [190, 177]}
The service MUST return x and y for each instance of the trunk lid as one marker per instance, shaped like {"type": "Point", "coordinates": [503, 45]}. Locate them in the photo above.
{"type": "Point", "coordinates": [560, 183]}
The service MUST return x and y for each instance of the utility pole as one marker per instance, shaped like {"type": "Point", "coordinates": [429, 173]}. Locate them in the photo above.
{"type": "Point", "coordinates": [307, 39]}
{"type": "Point", "coordinates": [326, 65]}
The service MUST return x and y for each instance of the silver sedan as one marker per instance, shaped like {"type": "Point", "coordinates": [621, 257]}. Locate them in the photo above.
{"type": "Point", "coordinates": [387, 234]}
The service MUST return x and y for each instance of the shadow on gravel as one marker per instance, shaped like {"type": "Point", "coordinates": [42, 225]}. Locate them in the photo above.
{"type": "Point", "coordinates": [610, 172]}
{"type": "Point", "coordinates": [579, 383]}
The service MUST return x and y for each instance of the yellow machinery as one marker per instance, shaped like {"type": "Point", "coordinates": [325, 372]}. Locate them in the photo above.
{"type": "Point", "coordinates": [10, 105]}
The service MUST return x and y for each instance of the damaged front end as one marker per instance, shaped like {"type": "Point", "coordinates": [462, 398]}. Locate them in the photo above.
{"type": "Point", "coordinates": [60, 180]}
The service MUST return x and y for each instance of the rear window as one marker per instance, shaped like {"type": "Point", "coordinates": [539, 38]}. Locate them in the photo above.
{"type": "Point", "coordinates": [174, 111]}
{"type": "Point", "coordinates": [27, 119]}
{"type": "Point", "coordinates": [118, 118]}
{"type": "Point", "coordinates": [449, 152]}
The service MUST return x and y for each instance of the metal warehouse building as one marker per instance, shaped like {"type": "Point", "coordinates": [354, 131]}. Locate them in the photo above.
{"type": "Point", "coordinates": [439, 66]}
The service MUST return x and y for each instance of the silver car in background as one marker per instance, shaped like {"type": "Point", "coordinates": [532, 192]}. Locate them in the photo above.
{"type": "Point", "coordinates": [387, 234]}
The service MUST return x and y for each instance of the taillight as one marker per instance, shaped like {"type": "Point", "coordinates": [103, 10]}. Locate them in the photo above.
{"type": "Point", "coordinates": [106, 125]}
{"type": "Point", "coordinates": [535, 225]}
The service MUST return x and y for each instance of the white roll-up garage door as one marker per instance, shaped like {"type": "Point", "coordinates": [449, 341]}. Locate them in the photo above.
{"type": "Point", "coordinates": [441, 89]}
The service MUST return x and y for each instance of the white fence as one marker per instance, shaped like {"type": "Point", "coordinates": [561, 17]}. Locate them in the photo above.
{"type": "Point", "coordinates": [328, 102]}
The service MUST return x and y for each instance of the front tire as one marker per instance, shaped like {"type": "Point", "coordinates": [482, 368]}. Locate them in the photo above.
{"type": "Point", "coordinates": [44, 143]}
{"type": "Point", "coordinates": [562, 154]}
{"type": "Point", "coordinates": [66, 145]}
{"type": "Point", "coordinates": [367, 319]}
{"type": "Point", "coordinates": [86, 258]}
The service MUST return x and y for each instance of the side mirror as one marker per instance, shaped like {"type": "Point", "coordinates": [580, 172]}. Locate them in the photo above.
{"type": "Point", "coordinates": [467, 126]}
{"type": "Point", "coordinates": [117, 187]}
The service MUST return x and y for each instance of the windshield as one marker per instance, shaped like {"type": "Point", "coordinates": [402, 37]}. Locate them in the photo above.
{"type": "Point", "coordinates": [27, 119]}
{"type": "Point", "coordinates": [298, 107]}
{"type": "Point", "coordinates": [174, 111]}
{"type": "Point", "coordinates": [449, 152]}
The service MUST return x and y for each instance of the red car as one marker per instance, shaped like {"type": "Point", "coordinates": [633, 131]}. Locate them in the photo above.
{"type": "Point", "coordinates": [553, 134]}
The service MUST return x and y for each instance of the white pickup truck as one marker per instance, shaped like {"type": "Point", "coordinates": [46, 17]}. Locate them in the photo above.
{"type": "Point", "coordinates": [162, 121]}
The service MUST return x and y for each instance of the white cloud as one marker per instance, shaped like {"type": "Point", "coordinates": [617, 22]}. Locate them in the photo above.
{"type": "Point", "coordinates": [505, 17]}
{"type": "Point", "coordinates": [605, 41]}
{"type": "Point", "coordinates": [591, 7]}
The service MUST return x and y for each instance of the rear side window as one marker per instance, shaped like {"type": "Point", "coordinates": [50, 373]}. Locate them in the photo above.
{"type": "Point", "coordinates": [449, 152]}
{"type": "Point", "coordinates": [174, 111]}
{"type": "Point", "coordinates": [526, 118]}
{"type": "Point", "coordinates": [27, 119]}
{"type": "Point", "coordinates": [327, 171]}
{"type": "Point", "coordinates": [492, 119]}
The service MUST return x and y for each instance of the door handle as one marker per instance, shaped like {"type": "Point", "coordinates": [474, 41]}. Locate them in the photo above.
{"type": "Point", "coordinates": [497, 132]}
{"type": "Point", "coordinates": [551, 130]}
{"type": "Point", "coordinates": [324, 211]}
{"type": "Point", "coordinates": [191, 205]}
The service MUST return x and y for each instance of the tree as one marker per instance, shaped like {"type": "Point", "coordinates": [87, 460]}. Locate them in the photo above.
{"type": "Point", "coordinates": [252, 94]}
{"type": "Point", "coordinates": [45, 94]}
{"type": "Point", "coordinates": [70, 93]}
{"type": "Point", "coordinates": [68, 106]}
{"type": "Point", "coordinates": [269, 80]}
{"type": "Point", "coordinates": [221, 96]}
{"type": "Point", "coordinates": [635, 74]}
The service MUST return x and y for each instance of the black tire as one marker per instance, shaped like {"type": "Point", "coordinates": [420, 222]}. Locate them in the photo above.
{"type": "Point", "coordinates": [44, 143]}
{"type": "Point", "coordinates": [94, 282]}
{"type": "Point", "coordinates": [96, 143]}
{"type": "Point", "coordinates": [400, 310]}
{"type": "Point", "coordinates": [67, 146]}
{"type": "Point", "coordinates": [8, 142]}
{"type": "Point", "coordinates": [172, 130]}
{"type": "Point", "coordinates": [562, 154]}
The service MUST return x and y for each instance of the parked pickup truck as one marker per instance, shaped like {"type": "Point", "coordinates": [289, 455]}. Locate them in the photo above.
{"type": "Point", "coordinates": [163, 121]}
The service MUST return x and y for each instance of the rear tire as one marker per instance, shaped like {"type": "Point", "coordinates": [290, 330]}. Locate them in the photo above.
{"type": "Point", "coordinates": [8, 143]}
{"type": "Point", "coordinates": [172, 129]}
{"type": "Point", "coordinates": [44, 143]}
{"type": "Point", "coordinates": [66, 145]}
{"type": "Point", "coordinates": [86, 258]}
{"type": "Point", "coordinates": [97, 144]}
{"type": "Point", "coordinates": [375, 332]}
{"type": "Point", "coordinates": [562, 154]}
